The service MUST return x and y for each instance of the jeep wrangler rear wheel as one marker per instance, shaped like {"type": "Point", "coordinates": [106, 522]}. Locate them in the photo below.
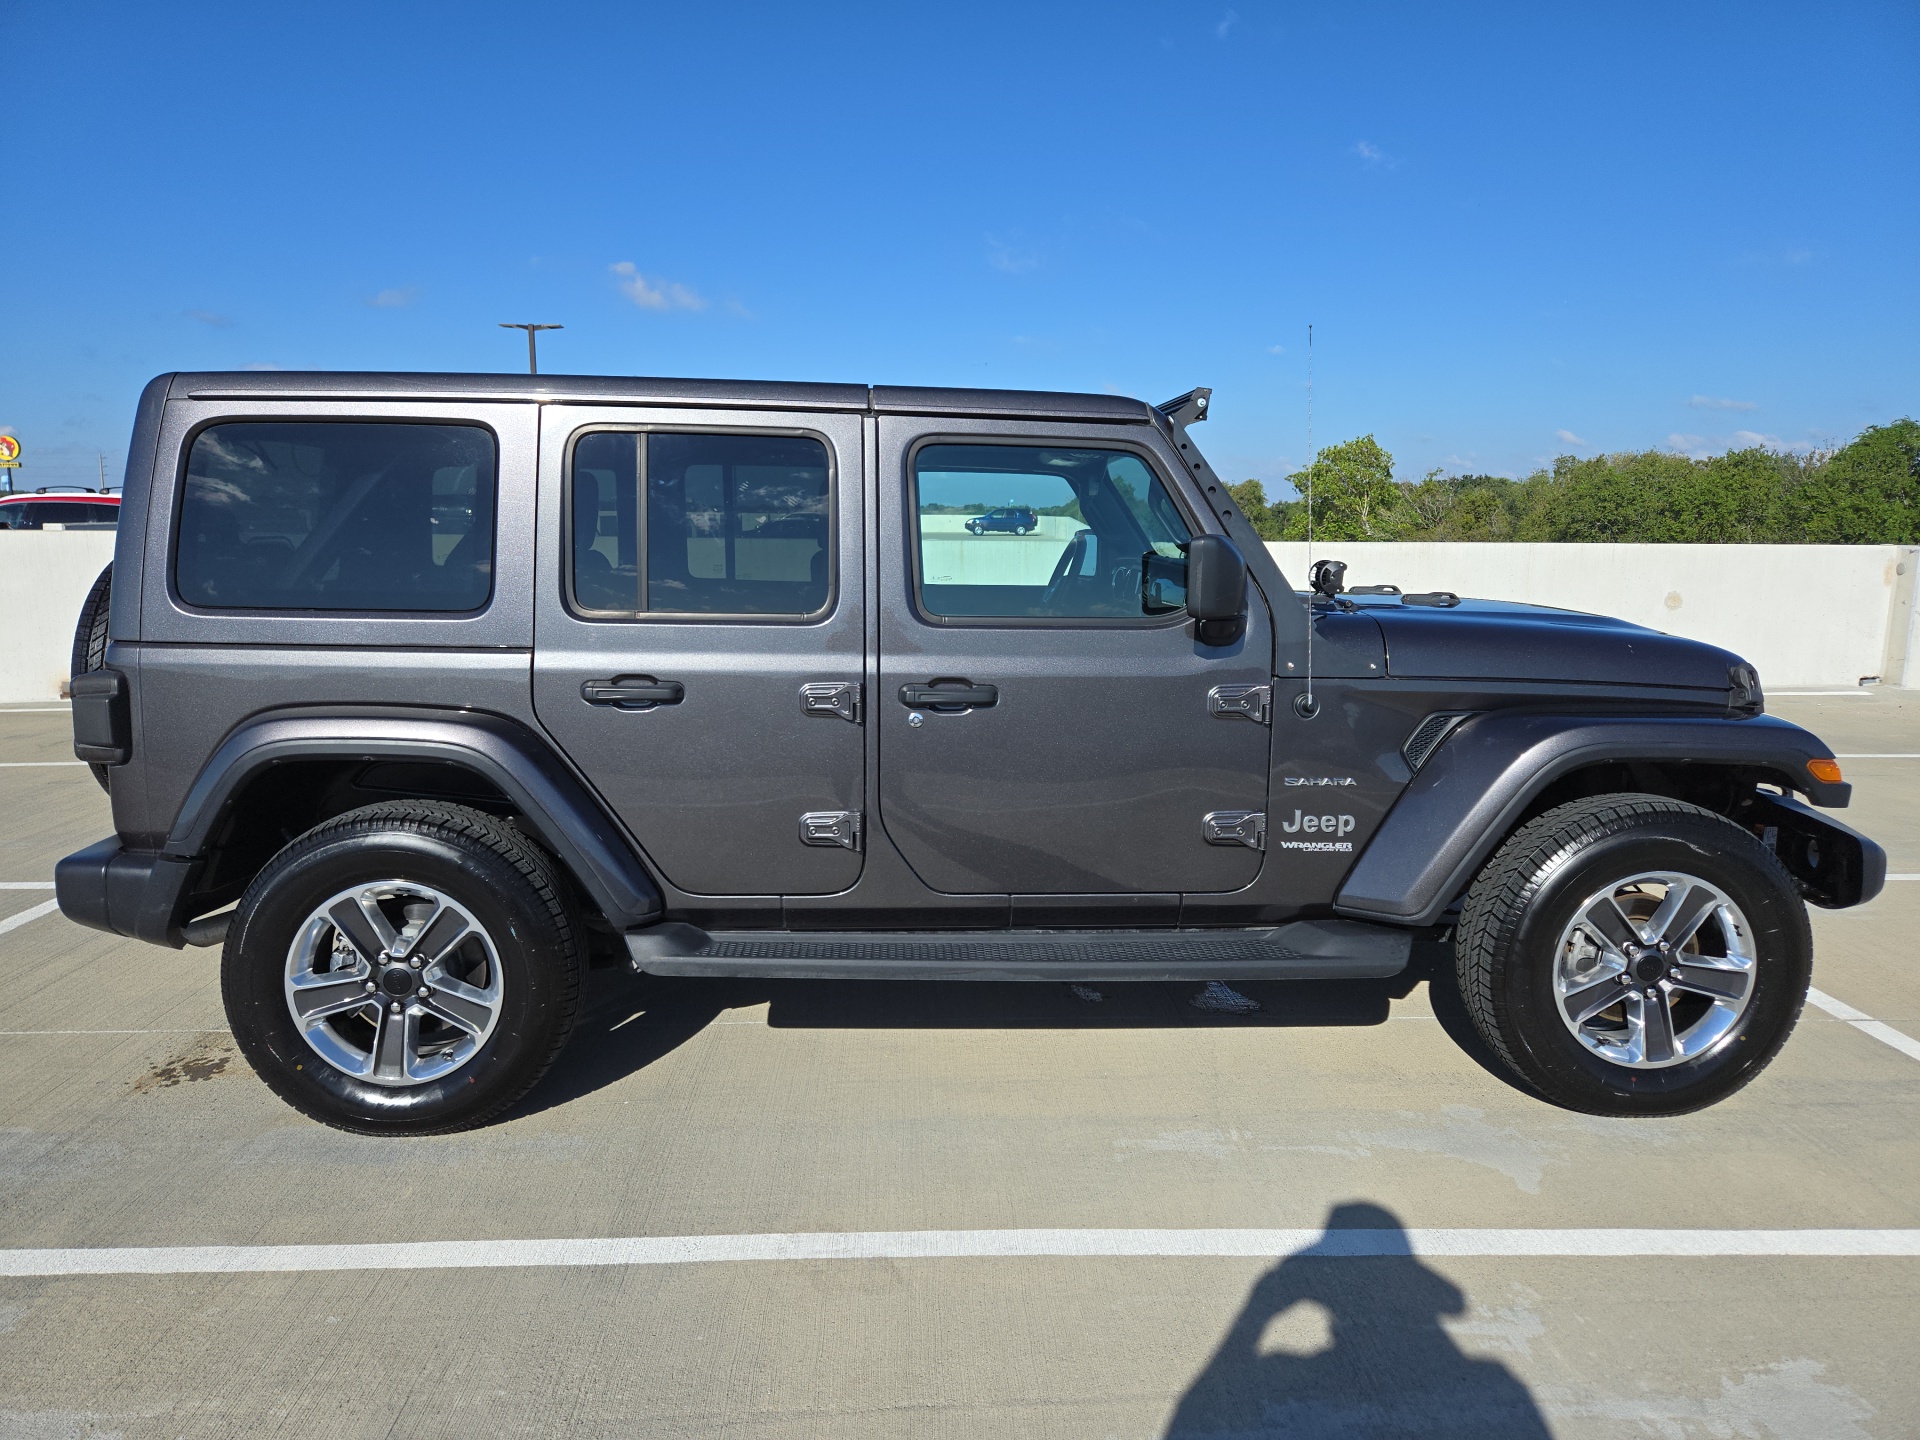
{"type": "Point", "coordinates": [1634, 955]}
{"type": "Point", "coordinates": [402, 969]}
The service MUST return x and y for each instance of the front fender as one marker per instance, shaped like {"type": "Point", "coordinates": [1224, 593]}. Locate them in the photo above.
{"type": "Point", "coordinates": [559, 808]}
{"type": "Point", "coordinates": [1466, 799]}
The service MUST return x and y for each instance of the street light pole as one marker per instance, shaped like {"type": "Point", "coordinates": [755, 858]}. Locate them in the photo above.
{"type": "Point", "coordinates": [533, 360]}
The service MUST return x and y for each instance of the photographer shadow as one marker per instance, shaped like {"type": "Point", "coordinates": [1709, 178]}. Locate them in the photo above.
{"type": "Point", "coordinates": [1391, 1369]}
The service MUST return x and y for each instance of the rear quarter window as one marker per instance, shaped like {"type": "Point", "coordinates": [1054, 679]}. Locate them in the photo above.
{"type": "Point", "coordinates": [337, 515]}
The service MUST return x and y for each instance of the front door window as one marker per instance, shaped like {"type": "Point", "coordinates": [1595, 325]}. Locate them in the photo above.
{"type": "Point", "coordinates": [1039, 532]}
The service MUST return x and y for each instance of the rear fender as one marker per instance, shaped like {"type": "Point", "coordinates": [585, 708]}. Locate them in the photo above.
{"type": "Point", "coordinates": [560, 810]}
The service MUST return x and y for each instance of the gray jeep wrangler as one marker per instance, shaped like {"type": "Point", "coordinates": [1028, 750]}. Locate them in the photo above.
{"type": "Point", "coordinates": [421, 691]}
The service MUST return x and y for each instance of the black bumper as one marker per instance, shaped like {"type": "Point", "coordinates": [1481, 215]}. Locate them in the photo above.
{"type": "Point", "coordinates": [137, 893]}
{"type": "Point", "coordinates": [1836, 865]}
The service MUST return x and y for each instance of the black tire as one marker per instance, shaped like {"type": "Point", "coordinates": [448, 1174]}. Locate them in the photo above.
{"type": "Point", "coordinates": [474, 859]}
{"type": "Point", "coordinates": [1522, 901]}
{"type": "Point", "coordinates": [90, 641]}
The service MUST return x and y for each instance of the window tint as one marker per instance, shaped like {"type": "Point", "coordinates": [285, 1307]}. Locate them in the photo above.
{"type": "Point", "coordinates": [731, 525]}
{"type": "Point", "coordinates": [1039, 532]}
{"type": "Point", "coordinates": [329, 515]}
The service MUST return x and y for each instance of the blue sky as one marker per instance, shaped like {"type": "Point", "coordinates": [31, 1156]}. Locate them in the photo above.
{"type": "Point", "coordinates": [1518, 230]}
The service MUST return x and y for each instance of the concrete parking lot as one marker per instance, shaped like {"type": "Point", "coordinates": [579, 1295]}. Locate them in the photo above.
{"type": "Point", "coordinates": [738, 1110]}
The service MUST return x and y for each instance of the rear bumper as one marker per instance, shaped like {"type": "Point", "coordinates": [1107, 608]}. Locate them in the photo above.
{"type": "Point", "coordinates": [137, 893]}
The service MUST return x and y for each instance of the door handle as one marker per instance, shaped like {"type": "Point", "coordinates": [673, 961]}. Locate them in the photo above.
{"type": "Point", "coordinates": [939, 693]}
{"type": "Point", "coordinates": [633, 692]}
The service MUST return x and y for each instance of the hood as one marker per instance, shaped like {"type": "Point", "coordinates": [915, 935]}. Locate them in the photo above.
{"type": "Point", "coordinates": [1494, 640]}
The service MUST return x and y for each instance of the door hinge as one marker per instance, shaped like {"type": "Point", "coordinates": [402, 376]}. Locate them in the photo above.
{"type": "Point", "coordinates": [1236, 827]}
{"type": "Point", "coordinates": [831, 827]}
{"type": "Point", "coordinates": [831, 697]}
{"type": "Point", "coordinates": [1250, 702]}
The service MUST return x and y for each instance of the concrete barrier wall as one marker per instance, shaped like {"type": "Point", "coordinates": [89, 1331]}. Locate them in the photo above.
{"type": "Point", "coordinates": [44, 579]}
{"type": "Point", "coordinates": [1808, 616]}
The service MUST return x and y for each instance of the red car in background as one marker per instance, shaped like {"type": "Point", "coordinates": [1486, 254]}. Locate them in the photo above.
{"type": "Point", "coordinates": [63, 508]}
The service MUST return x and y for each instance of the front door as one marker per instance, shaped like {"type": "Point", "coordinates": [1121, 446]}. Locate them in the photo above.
{"type": "Point", "coordinates": [699, 642]}
{"type": "Point", "coordinates": [1046, 728]}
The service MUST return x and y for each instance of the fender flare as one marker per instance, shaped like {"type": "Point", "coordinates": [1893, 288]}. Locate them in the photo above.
{"type": "Point", "coordinates": [1468, 797]}
{"type": "Point", "coordinates": [569, 820]}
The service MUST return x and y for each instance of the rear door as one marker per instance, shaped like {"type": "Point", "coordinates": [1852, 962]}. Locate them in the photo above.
{"type": "Point", "coordinates": [1043, 729]}
{"type": "Point", "coordinates": [699, 645]}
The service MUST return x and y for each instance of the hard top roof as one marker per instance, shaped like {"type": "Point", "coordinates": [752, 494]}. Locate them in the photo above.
{"type": "Point", "coordinates": [21, 497]}
{"type": "Point", "coordinates": [648, 390]}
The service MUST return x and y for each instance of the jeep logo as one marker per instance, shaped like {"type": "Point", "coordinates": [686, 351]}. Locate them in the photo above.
{"type": "Point", "coordinates": [1323, 824]}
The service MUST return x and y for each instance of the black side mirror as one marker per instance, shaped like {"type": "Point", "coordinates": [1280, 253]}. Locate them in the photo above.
{"type": "Point", "coordinates": [1217, 589]}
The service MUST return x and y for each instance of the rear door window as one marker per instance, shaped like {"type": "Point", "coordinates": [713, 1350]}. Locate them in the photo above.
{"type": "Point", "coordinates": [677, 524]}
{"type": "Point", "coordinates": [337, 515]}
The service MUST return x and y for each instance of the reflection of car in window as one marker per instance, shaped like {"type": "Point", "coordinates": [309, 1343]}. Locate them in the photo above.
{"type": "Point", "coordinates": [38, 512]}
{"type": "Point", "coordinates": [1008, 519]}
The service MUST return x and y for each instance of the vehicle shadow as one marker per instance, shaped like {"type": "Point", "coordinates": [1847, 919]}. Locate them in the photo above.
{"type": "Point", "coordinates": [1389, 1368]}
{"type": "Point", "coordinates": [628, 1022]}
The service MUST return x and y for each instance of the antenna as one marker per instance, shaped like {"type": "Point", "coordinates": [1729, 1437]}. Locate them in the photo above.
{"type": "Point", "coordinates": [1304, 705]}
{"type": "Point", "coordinates": [533, 360]}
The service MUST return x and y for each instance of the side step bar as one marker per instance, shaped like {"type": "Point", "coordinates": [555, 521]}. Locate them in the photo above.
{"type": "Point", "coordinates": [1301, 950]}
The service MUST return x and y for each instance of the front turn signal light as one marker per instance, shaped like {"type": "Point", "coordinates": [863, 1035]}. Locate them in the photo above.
{"type": "Point", "coordinates": [1827, 772]}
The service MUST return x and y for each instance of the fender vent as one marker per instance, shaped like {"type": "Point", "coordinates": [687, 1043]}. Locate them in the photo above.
{"type": "Point", "coordinates": [1428, 734]}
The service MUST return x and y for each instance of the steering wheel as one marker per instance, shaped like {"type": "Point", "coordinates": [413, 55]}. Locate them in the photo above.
{"type": "Point", "coordinates": [1069, 562]}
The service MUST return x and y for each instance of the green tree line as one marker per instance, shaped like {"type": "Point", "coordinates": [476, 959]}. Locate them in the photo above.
{"type": "Point", "coordinates": [1867, 492]}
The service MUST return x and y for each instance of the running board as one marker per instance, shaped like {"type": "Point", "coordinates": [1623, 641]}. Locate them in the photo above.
{"type": "Point", "coordinates": [1301, 950]}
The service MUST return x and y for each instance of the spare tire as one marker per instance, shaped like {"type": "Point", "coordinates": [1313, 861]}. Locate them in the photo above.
{"type": "Point", "coordinates": [90, 640]}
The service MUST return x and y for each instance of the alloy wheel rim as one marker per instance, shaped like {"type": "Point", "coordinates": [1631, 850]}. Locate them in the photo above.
{"type": "Point", "coordinates": [394, 983]}
{"type": "Point", "coordinates": [1654, 970]}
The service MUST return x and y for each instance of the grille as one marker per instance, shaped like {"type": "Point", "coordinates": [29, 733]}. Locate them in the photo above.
{"type": "Point", "coordinates": [1427, 735]}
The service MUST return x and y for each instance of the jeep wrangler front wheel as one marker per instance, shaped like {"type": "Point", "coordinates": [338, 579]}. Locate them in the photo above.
{"type": "Point", "coordinates": [402, 969]}
{"type": "Point", "coordinates": [1633, 955]}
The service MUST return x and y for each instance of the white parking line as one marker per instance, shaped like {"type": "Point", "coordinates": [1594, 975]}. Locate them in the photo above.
{"type": "Point", "coordinates": [39, 710]}
{"type": "Point", "coordinates": [169, 1030]}
{"type": "Point", "coordinates": [1865, 1023]}
{"type": "Point", "coordinates": [956, 1245]}
{"type": "Point", "coordinates": [37, 764]}
{"type": "Point", "coordinates": [26, 884]}
{"type": "Point", "coordinates": [27, 917]}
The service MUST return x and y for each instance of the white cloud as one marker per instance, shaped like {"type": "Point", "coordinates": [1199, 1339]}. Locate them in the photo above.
{"type": "Point", "coordinates": [1276, 349]}
{"type": "Point", "coordinates": [1013, 259]}
{"type": "Point", "coordinates": [398, 298]}
{"type": "Point", "coordinates": [1373, 154]}
{"type": "Point", "coordinates": [1567, 437]}
{"type": "Point", "coordinates": [1226, 23]}
{"type": "Point", "coordinates": [1715, 402]}
{"type": "Point", "coordinates": [263, 365]}
{"type": "Point", "coordinates": [654, 294]}
{"type": "Point", "coordinates": [210, 318]}
{"type": "Point", "coordinates": [1798, 257]}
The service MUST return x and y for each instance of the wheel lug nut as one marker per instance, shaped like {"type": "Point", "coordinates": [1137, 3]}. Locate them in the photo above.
{"type": "Point", "coordinates": [371, 987]}
{"type": "Point", "coordinates": [414, 962]}
{"type": "Point", "coordinates": [394, 1008]}
{"type": "Point", "coordinates": [423, 992]}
